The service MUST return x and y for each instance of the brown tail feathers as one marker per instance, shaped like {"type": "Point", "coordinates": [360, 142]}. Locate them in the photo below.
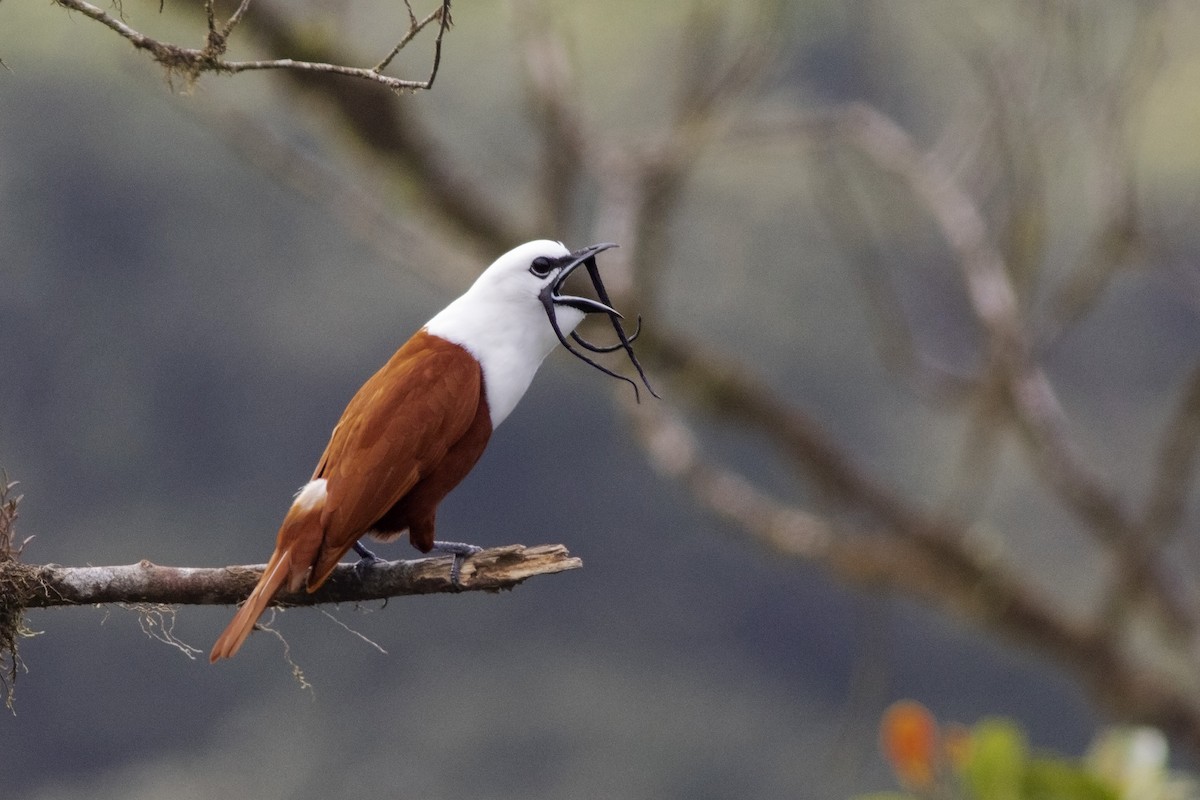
{"type": "Point", "coordinates": [279, 568]}
{"type": "Point", "coordinates": [300, 538]}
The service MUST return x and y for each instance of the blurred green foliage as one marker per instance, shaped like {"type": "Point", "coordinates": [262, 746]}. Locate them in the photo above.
{"type": "Point", "coordinates": [993, 760]}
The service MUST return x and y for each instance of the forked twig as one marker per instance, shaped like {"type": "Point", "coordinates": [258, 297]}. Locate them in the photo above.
{"type": "Point", "coordinates": [442, 15]}
{"type": "Point", "coordinates": [192, 62]}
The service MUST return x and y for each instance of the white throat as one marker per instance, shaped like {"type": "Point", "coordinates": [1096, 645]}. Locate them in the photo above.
{"type": "Point", "coordinates": [508, 334]}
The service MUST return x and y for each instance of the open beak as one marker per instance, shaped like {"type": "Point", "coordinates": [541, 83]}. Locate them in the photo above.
{"type": "Point", "coordinates": [551, 296]}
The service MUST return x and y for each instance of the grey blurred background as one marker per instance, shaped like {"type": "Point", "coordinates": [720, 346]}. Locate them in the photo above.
{"type": "Point", "coordinates": [181, 327]}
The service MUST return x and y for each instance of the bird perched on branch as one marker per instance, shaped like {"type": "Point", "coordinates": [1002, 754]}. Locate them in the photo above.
{"type": "Point", "coordinates": [418, 425]}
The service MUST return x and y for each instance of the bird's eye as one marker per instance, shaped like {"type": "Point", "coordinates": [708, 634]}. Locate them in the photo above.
{"type": "Point", "coordinates": [541, 266]}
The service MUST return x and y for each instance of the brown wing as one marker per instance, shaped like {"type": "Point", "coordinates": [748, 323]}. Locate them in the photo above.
{"type": "Point", "coordinates": [396, 429]}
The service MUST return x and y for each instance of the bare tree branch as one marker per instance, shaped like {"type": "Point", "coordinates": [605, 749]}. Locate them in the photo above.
{"type": "Point", "coordinates": [145, 585]}
{"type": "Point", "coordinates": [993, 298]}
{"type": "Point", "coordinates": [1014, 376]}
{"type": "Point", "coordinates": [843, 212]}
{"type": "Point", "coordinates": [491, 570]}
{"type": "Point", "coordinates": [937, 564]}
{"type": "Point", "coordinates": [1177, 463]}
{"type": "Point", "coordinates": [192, 62]}
{"type": "Point", "coordinates": [1114, 123]}
{"type": "Point", "coordinates": [716, 384]}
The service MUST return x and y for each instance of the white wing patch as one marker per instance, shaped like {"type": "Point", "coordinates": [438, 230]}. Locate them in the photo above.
{"type": "Point", "coordinates": [311, 495]}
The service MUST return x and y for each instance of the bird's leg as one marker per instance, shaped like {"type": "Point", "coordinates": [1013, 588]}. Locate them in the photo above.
{"type": "Point", "coordinates": [460, 551]}
{"type": "Point", "coordinates": [366, 560]}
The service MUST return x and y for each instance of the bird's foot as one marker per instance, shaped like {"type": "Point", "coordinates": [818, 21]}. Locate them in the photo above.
{"type": "Point", "coordinates": [460, 551]}
{"type": "Point", "coordinates": [366, 560]}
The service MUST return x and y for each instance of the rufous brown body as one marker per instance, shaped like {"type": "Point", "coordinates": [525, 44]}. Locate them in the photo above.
{"type": "Point", "coordinates": [418, 425]}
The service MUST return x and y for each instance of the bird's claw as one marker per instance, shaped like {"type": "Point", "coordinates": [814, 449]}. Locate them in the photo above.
{"type": "Point", "coordinates": [365, 562]}
{"type": "Point", "coordinates": [460, 551]}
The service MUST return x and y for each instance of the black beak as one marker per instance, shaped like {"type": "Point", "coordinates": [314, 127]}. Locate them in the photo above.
{"type": "Point", "coordinates": [550, 297]}
{"type": "Point", "coordinates": [550, 294]}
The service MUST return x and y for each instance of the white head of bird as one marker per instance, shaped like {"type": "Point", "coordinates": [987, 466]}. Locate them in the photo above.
{"type": "Point", "coordinates": [514, 314]}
